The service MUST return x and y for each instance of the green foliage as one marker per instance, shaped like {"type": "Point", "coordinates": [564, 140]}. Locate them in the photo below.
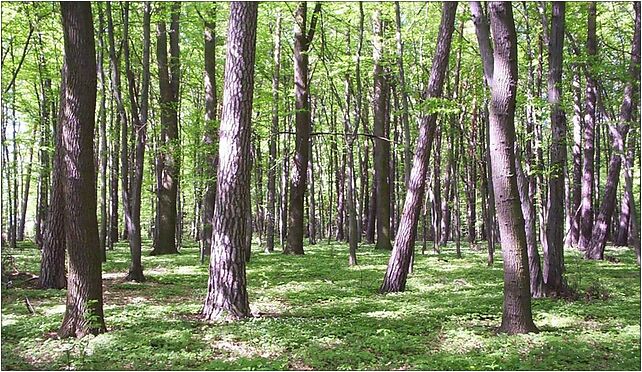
{"type": "Point", "coordinates": [316, 312]}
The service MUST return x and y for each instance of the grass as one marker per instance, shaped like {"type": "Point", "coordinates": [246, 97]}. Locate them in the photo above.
{"type": "Point", "coordinates": [315, 312]}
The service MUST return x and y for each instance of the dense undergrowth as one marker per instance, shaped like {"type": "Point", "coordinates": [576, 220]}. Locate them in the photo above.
{"type": "Point", "coordinates": [315, 312]}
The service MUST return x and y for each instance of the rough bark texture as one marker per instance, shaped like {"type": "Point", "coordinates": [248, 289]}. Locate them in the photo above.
{"type": "Point", "coordinates": [210, 134]}
{"type": "Point", "coordinates": [169, 158]}
{"type": "Point", "coordinates": [618, 132]}
{"type": "Point", "coordinates": [84, 307]}
{"type": "Point", "coordinates": [586, 211]}
{"type": "Point", "coordinates": [226, 292]}
{"type": "Point", "coordinates": [398, 265]}
{"type": "Point", "coordinates": [554, 281]}
{"type": "Point", "coordinates": [516, 315]}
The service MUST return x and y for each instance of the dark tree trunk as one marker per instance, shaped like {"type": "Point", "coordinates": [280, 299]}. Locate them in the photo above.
{"type": "Point", "coordinates": [103, 150]}
{"type": "Point", "coordinates": [554, 281]}
{"type": "Point", "coordinates": [271, 196]}
{"type": "Point", "coordinates": [210, 134]}
{"type": "Point", "coordinates": [398, 265]}
{"type": "Point", "coordinates": [84, 309]}
{"type": "Point", "coordinates": [586, 211]}
{"type": "Point", "coordinates": [226, 292]}
{"type": "Point", "coordinates": [382, 145]}
{"type": "Point", "coordinates": [169, 157]}
{"type": "Point", "coordinates": [471, 184]}
{"type": "Point", "coordinates": [625, 210]}
{"type": "Point", "coordinates": [302, 39]}
{"type": "Point", "coordinates": [618, 132]}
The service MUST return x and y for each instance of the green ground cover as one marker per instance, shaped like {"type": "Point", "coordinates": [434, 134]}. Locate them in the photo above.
{"type": "Point", "coordinates": [315, 312]}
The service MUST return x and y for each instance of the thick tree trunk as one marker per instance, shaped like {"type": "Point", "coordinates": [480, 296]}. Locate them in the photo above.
{"type": "Point", "coordinates": [271, 185]}
{"type": "Point", "coordinates": [302, 39]}
{"type": "Point", "coordinates": [586, 211]}
{"type": "Point", "coordinates": [210, 134]}
{"type": "Point", "coordinates": [169, 157]}
{"type": "Point", "coordinates": [226, 292]}
{"type": "Point", "coordinates": [516, 315]}
{"type": "Point", "coordinates": [382, 145]}
{"type": "Point", "coordinates": [618, 132]}
{"type": "Point", "coordinates": [84, 308]}
{"type": "Point", "coordinates": [554, 281]}
{"type": "Point", "coordinates": [398, 265]}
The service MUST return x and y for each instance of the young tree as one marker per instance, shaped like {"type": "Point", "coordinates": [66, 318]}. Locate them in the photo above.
{"type": "Point", "coordinates": [398, 265]}
{"type": "Point", "coordinates": [169, 162]}
{"type": "Point", "coordinates": [302, 40]}
{"type": "Point", "coordinates": [84, 309]}
{"type": "Point", "coordinates": [226, 292]}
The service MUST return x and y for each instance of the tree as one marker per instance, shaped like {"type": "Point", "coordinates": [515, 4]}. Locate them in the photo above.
{"type": "Point", "coordinates": [226, 292]}
{"type": "Point", "coordinates": [302, 40]}
{"type": "Point", "coordinates": [169, 157]}
{"type": "Point", "coordinates": [382, 144]}
{"type": "Point", "coordinates": [595, 249]}
{"type": "Point", "coordinates": [554, 281]}
{"type": "Point", "coordinates": [84, 309]}
{"type": "Point", "coordinates": [398, 265]}
{"type": "Point", "coordinates": [502, 78]}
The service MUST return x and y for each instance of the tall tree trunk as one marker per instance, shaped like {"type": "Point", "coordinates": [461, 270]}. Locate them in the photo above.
{"type": "Point", "coordinates": [84, 308]}
{"type": "Point", "coordinates": [169, 157]}
{"type": "Point", "coordinates": [586, 212]}
{"type": "Point", "coordinates": [625, 209]}
{"type": "Point", "coordinates": [271, 196]}
{"type": "Point", "coordinates": [404, 97]}
{"type": "Point", "coordinates": [302, 39]}
{"type": "Point", "coordinates": [226, 292]}
{"type": "Point", "coordinates": [618, 132]}
{"type": "Point", "coordinates": [382, 145]}
{"type": "Point", "coordinates": [574, 233]}
{"type": "Point", "coordinates": [398, 265]}
{"type": "Point", "coordinates": [312, 221]}
{"type": "Point", "coordinates": [210, 134]}
{"type": "Point", "coordinates": [25, 195]}
{"type": "Point", "coordinates": [554, 281]}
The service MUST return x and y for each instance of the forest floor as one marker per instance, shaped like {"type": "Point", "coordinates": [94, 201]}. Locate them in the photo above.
{"type": "Point", "coordinates": [315, 312]}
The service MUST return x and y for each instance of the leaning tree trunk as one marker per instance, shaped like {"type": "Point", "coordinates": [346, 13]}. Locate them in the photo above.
{"type": "Point", "coordinates": [169, 162]}
{"type": "Point", "coordinates": [84, 308]}
{"type": "Point", "coordinates": [398, 265]}
{"type": "Point", "coordinates": [595, 249]}
{"type": "Point", "coordinates": [210, 134]}
{"type": "Point", "coordinates": [226, 292]}
{"type": "Point", "coordinates": [554, 281]}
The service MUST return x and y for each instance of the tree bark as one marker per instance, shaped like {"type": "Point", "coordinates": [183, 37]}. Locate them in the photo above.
{"type": "Point", "coordinates": [226, 292]}
{"type": "Point", "coordinates": [210, 134]}
{"type": "Point", "coordinates": [84, 308]}
{"type": "Point", "coordinates": [618, 132]}
{"type": "Point", "coordinates": [302, 39]}
{"type": "Point", "coordinates": [574, 233]}
{"type": "Point", "coordinates": [586, 212]}
{"type": "Point", "coordinates": [554, 281]}
{"type": "Point", "coordinates": [398, 265]}
{"type": "Point", "coordinates": [271, 196]}
{"type": "Point", "coordinates": [169, 158]}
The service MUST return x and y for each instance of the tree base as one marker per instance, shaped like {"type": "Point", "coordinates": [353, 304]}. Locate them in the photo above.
{"type": "Point", "coordinates": [135, 275]}
{"type": "Point", "coordinates": [521, 328]}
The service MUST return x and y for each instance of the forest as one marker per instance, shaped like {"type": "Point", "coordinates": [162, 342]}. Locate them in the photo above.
{"type": "Point", "coordinates": [320, 186]}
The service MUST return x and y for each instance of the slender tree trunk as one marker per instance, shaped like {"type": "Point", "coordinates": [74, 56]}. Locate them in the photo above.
{"type": "Point", "coordinates": [271, 196]}
{"type": "Point", "coordinates": [398, 265]}
{"type": "Point", "coordinates": [169, 157]}
{"type": "Point", "coordinates": [226, 292]}
{"type": "Point", "coordinates": [625, 210]}
{"type": "Point", "coordinates": [555, 283]}
{"type": "Point", "coordinates": [618, 132]}
{"type": "Point", "coordinates": [302, 39]}
{"type": "Point", "coordinates": [210, 134]}
{"type": "Point", "coordinates": [84, 308]}
{"type": "Point", "coordinates": [586, 212]}
{"type": "Point", "coordinates": [574, 233]}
